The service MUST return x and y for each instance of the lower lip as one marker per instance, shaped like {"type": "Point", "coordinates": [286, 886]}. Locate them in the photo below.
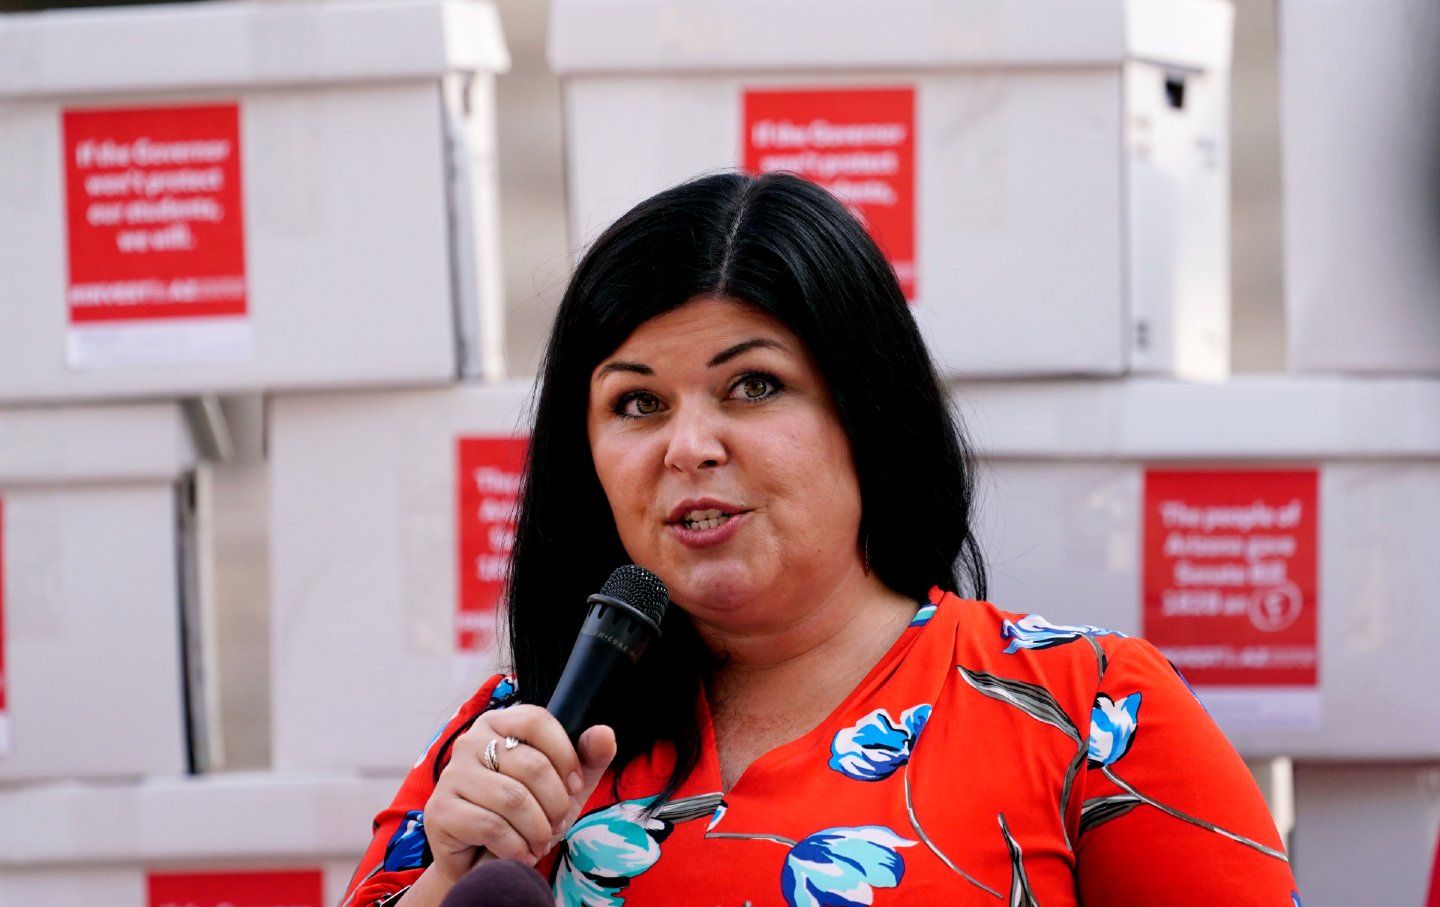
{"type": "Point", "coordinates": [707, 538]}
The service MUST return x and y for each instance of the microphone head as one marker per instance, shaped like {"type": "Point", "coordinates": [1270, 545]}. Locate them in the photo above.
{"type": "Point", "coordinates": [500, 883]}
{"type": "Point", "coordinates": [640, 589]}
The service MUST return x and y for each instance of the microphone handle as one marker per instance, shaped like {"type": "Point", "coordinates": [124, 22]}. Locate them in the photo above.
{"type": "Point", "coordinates": [591, 662]}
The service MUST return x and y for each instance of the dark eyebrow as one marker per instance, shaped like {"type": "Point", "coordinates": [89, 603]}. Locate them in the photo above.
{"type": "Point", "coordinates": [720, 358]}
{"type": "Point", "coordinates": [623, 366]}
{"type": "Point", "coordinates": [744, 346]}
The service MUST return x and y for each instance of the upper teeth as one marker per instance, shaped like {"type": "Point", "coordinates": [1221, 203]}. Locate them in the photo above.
{"type": "Point", "coordinates": [704, 519]}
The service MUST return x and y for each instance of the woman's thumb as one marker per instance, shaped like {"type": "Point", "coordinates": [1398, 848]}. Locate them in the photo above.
{"type": "Point", "coordinates": [596, 748]}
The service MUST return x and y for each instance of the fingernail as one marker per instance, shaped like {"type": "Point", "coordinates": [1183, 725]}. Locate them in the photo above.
{"type": "Point", "coordinates": [576, 782]}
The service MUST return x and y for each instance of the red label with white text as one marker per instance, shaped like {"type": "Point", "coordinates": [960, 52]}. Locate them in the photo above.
{"type": "Point", "coordinates": [857, 143]}
{"type": "Point", "coordinates": [488, 473]}
{"type": "Point", "coordinates": [154, 214]}
{"type": "Point", "coordinates": [1230, 563]}
{"type": "Point", "coordinates": [291, 888]}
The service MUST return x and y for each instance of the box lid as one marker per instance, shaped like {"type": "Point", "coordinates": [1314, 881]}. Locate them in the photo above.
{"type": "Point", "coordinates": [171, 820]}
{"type": "Point", "coordinates": [614, 36]}
{"type": "Point", "coordinates": [1251, 417]}
{"type": "Point", "coordinates": [138, 442]}
{"type": "Point", "coordinates": [227, 44]}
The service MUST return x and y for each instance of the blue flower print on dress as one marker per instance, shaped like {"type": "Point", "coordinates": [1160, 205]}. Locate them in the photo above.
{"type": "Point", "coordinates": [1035, 632]}
{"type": "Point", "coordinates": [504, 691]}
{"type": "Point", "coordinates": [1295, 899]}
{"type": "Point", "coordinates": [875, 746]}
{"type": "Point", "coordinates": [1112, 728]}
{"type": "Point", "coordinates": [407, 846]}
{"type": "Point", "coordinates": [841, 867]}
{"type": "Point", "coordinates": [922, 617]}
{"type": "Point", "coordinates": [719, 814]}
{"type": "Point", "coordinates": [605, 850]}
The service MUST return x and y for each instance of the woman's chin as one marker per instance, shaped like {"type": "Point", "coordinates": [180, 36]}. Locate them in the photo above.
{"type": "Point", "coordinates": [714, 594]}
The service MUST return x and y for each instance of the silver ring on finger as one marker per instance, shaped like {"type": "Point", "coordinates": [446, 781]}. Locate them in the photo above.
{"type": "Point", "coordinates": [512, 742]}
{"type": "Point", "coordinates": [491, 759]}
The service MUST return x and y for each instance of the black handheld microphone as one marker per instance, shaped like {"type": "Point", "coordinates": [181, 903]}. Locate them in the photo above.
{"type": "Point", "coordinates": [500, 883]}
{"type": "Point", "coordinates": [624, 616]}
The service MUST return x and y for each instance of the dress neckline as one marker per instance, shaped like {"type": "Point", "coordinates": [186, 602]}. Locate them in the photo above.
{"type": "Point", "coordinates": [708, 767]}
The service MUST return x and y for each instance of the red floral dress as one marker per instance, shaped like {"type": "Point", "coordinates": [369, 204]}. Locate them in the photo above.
{"type": "Point", "coordinates": [988, 759]}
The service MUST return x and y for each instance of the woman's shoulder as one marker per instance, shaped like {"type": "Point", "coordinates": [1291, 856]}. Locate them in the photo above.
{"type": "Point", "coordinates": [1031, 648]}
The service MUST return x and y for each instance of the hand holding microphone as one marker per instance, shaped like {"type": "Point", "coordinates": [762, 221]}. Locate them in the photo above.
{"type": "Point", "coordinates": [518, 778]}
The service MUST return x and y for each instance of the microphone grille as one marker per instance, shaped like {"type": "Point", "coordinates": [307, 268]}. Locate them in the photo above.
{"type": "Point", "coordinates": [639, 588]}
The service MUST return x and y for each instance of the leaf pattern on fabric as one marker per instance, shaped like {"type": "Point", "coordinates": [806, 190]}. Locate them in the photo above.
{"type": "Point", "coordinates": [1112, 728]}
{"type": "Point", "coordinates": [1072, 772]}
{"type": "Point", "coordinates": [1099, 810]}
{"type": "Point", "coordinates": [1035, 632]}
{"type": "Point", "coordinates": [841, 867]}
{"type": "Point", "coordinates": [928, 842]}
{"type": "Point", "coordinates": [1033, 700]}
{"type": "Point", "coordinates": [873, 748]}
{"type": "Point", "coordinates": [1020, 893]}
{"type": "Point", "coordinates": [1119, 782]}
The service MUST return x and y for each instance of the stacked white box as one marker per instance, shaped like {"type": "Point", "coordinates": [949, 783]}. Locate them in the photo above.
{"type": "Point", "coordinates": [1365, 833]}
{"type": "Point", "coordinates": [1061, 491]}
{"type": "Point", "coordinates": [1071, 159]}
{"type": "Point", "coordinates": [365, 573]}
{"type": "Point", "coordinates": [1360, 87]}
{"type": "Point", "coordinates": [368, 185]}
{"type": "Point", "coordinates": [76, 844]}
{"type": "Point", "coordinates": [94, 674]}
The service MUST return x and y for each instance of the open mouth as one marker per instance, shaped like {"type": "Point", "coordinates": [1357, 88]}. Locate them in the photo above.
{"type": "Point", "coordinates": [705, 519]}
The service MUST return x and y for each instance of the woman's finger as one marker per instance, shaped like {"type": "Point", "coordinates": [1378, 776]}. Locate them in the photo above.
{"type": "Point", "coordinates": [504, 805]}
{"type": "Point", "coordinates": [463, 825]}
{"type": "Point", "coordinates": [539, 729]}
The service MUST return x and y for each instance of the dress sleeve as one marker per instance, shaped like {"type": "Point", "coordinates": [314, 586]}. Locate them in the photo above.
{"type": "Point", "coordinates": [398, 852]}
{"type": "Point", "coordinates": [1170, 814]}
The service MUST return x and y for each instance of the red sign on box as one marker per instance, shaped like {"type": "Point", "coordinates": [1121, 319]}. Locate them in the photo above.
{"type": "Point", "coordinates": [154, 214]}
{"type": "Point", "coordinates": [857, 143]}
{"type": "Point", "coordinates": [293, 888]}
{"type": "Point", "coordinates": [488, 472]}
{"type": "Point", "coordinates": [1230, 561]}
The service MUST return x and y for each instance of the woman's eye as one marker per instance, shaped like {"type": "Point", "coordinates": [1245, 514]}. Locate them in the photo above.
{"type": "Point", "coordinates": [756, 387]}
{"type": "Point", "coordinates": [638, 404]}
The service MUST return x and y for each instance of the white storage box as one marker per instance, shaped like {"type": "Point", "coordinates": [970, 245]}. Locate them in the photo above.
{"type": "Point", "coordinates": [75, 845]}
{"type": "Point", "coordinates": [93, 677]}
{"type": "Point", "coordinates": [246, 195]}
{"type": "Point", "coordinates": [1365, 834]}
{"type": "Point", "coordinates": [1339, 663]}
{"type": "Point", "coordinates": [390, 516]}
{"type": "Point", "coordinates": [1359, 91]}
{"type": "Point", "coordinates": [1049, 177]}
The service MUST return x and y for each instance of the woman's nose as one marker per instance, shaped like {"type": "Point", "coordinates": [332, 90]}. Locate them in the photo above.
{"type": "Point", "coordinates": [696, 440]}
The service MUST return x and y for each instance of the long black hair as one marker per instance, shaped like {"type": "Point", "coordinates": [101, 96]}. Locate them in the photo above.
{"type": "Point", "coordinates": [790, 249]}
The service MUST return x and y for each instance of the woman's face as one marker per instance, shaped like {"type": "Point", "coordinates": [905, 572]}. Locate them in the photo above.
{"type": "Point", "coordinates": [725, 464]}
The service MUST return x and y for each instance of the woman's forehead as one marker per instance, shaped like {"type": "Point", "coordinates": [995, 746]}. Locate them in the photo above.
{"type": "Point", "coordinates": [706, 326]}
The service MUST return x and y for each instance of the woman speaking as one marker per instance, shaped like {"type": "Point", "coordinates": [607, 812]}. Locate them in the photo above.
{"type": "Point", "coordinates": [736, 397]}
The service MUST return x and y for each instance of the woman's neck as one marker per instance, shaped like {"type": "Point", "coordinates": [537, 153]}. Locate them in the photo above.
{"type": "Point", "coordinates": [774, 686]}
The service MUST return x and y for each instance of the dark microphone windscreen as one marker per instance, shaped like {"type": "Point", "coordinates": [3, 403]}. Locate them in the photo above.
{"type": "Point", "coordinates": [500, 883]}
